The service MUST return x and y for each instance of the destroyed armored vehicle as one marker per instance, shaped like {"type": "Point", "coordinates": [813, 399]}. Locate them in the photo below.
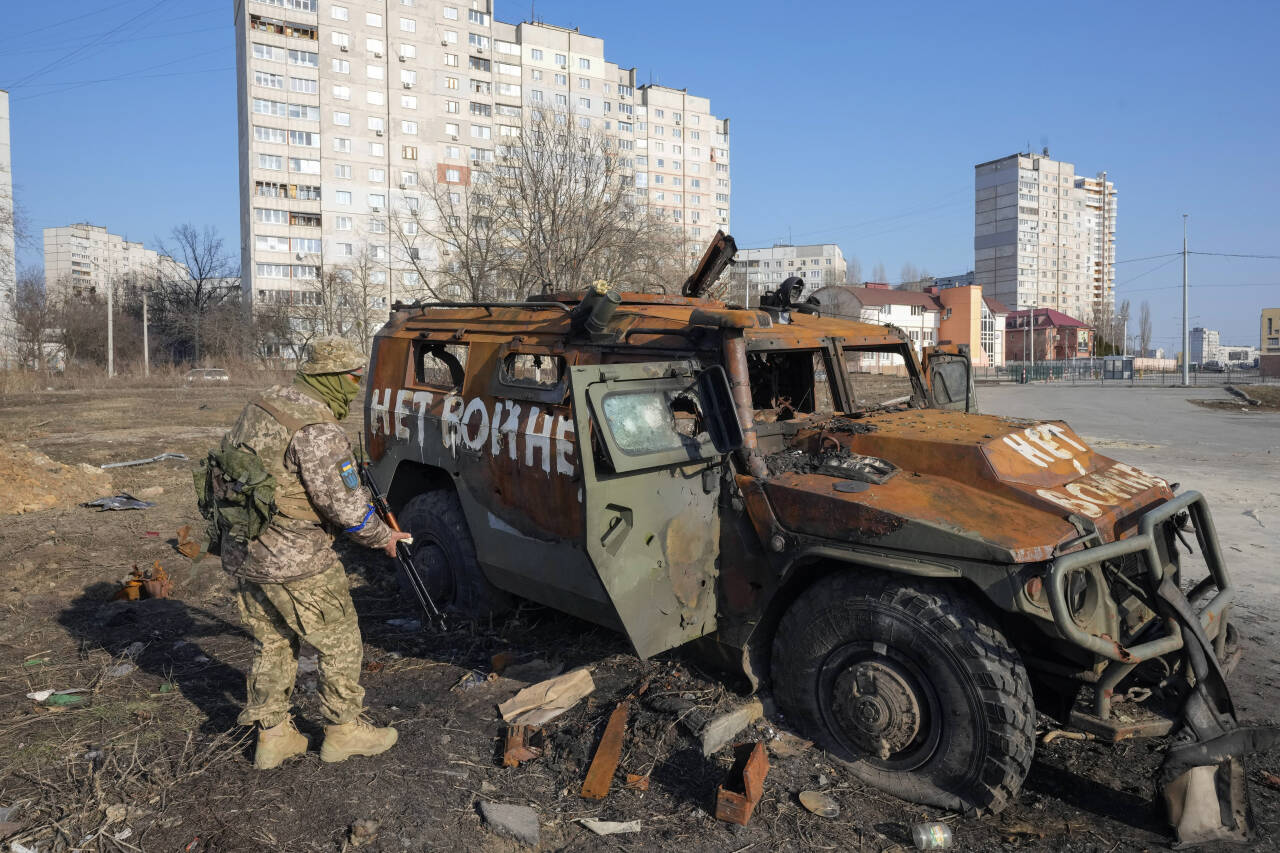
{"type": "Point", "coordinates": [802, 500]}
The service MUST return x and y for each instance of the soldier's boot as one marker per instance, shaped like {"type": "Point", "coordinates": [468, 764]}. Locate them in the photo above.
{"type": "Point", "coordinates": [357, 737]}
{"type": "Point", "coordinates": [278, 743]}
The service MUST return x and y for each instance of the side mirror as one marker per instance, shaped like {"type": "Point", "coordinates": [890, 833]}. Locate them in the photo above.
{"type": "Point", "coordinates": [718, 409]}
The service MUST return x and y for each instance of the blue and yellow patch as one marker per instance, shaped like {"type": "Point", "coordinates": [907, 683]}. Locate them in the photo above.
{"type": "Point", "coordinates": [347, 470]}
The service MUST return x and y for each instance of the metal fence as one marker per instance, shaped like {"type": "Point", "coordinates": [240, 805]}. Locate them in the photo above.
{"type": "Point", "coordinates": [1096, 371]}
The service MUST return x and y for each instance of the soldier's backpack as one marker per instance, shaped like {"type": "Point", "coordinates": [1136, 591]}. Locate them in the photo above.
{"type": "Point", "coordinates": [236, 494]}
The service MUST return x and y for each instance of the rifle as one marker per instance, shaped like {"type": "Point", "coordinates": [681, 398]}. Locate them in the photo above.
{"type": "Point", "coordinates": [403, 554]}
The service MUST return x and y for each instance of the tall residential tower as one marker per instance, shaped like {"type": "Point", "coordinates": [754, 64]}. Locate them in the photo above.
{"type": "Point", "coordinates": [348, 107]}
{"type": "Point", "coordinates": [1044, 237]}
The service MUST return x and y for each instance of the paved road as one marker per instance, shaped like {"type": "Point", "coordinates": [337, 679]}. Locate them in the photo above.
{"type": "Point", "coordinates": [1233, 457]}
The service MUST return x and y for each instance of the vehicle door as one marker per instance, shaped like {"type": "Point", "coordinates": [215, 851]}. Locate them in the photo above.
{"type": "Point", "coordinates": [653, 437]}
{"type": "Point", "coordinates": [948, 373]}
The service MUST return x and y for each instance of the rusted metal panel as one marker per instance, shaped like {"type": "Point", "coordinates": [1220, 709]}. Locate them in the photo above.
{"type": "Point", "coordinates": [523, 744]}
{"type": "Point", "coordinates": [608, 754]}
{"type": "Point", "coordinates": [738, 797]}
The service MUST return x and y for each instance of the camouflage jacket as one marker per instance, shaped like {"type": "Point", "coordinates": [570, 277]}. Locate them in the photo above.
{"type": "Point", "coordinates": [318, 490]}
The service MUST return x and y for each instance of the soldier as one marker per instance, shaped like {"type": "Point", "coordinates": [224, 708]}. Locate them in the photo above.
{"type": "Point", "coordinates": [291, 585]}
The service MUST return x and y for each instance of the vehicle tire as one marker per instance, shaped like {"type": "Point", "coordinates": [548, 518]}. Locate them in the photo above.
{"type": "Point", "coordinates": [445, 556]}
{"type": "Point", "coordinates": [911, 685]}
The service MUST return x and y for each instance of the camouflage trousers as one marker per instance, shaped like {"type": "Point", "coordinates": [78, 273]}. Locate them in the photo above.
{"type": "Point", "coordinates": [316, 610]}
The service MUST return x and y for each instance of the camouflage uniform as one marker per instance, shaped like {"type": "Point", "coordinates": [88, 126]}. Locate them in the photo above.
{"type": "Point", "coordinates": [292, 587]}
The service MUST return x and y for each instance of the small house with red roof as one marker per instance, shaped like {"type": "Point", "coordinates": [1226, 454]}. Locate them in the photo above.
{"type": "Point", "coordinates": [1056, 336]}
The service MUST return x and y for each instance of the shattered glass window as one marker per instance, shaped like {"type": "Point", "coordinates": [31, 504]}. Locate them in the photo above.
{"type": "Point", "coordinates": [652, 421]}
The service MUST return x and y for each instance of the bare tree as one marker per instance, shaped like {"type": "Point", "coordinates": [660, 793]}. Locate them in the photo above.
{"type": "Point", "coordinates": [34, 317]}
{"type": "Point", "coordinates": [878, 273]}
{"type": "Point", "coordinates": [555, 209]}
{"type": "Point", "coordinates": [209, 278]}
{"type": "Point", "coordinates": [853, 270]}
{"type": "Point", "coordinates": [909, 273]}
{"type": "Point", "coordinates": [1120, 325]}
{"type": "Point", "coordinates": [1144, 328]}
{"type": "Point", "coordinates": [1103, 322]}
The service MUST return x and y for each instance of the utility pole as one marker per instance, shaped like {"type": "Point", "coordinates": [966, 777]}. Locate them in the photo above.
{"type": "Point", "coordinates": [1186, 335]}
{"type": "Point", "coordinates": [111, 329]}
{"type": "Point", "coordinates": [146, 350]}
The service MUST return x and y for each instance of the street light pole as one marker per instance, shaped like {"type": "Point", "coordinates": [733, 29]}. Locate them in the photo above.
{"type": "Point", "coordinates": [1186, 335]}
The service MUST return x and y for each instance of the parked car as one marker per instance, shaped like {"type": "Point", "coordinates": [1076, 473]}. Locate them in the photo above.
{"type": "Point", "coordinates": [208, 374]}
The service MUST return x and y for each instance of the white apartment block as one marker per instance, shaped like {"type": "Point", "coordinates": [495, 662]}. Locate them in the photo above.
{"type": "Point", "coordinates": [84, 259]}
{"type": "Point", "coordinates": [8, 256]}
{"type": "Point", "coordinates": [1043, 236]}
{"type": "Point", "coordinates": [347, 108]}
{"type": "Point", "coordinates": [756, 271]}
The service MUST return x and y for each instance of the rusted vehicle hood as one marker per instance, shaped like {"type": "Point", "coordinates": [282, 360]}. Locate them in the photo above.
{"type": "Point", "coordinates": [976, 486]}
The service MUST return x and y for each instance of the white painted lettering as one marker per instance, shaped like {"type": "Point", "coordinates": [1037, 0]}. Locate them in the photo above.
{"type": "Point", "coordinates": [1078, 489]}
{"type": "Point", "coordinates": [1041, 436]}
{"type": "Point", "coordinates": [477, 441]}
{"type": "Point", "coordinates": [564, 445]}
{"type": "Point", "coordinates": [538, 438]}
{"type": "Point", "coordinates": [1083, 507]}
{"type": "Point", "coordinates": [509, 430]}
{"type": "Point", "coordinates": [403, 396]}
{"type": "Point", "coordinates": [1062, 434]}
{"type": "Point", "coordinates": [380, 409]}
{"type": "Point", "coordinates": [422, 402]}
{"type": "Point", "coordinates": [450, 419]}
{"type": "Point", "coordinates": [1020, 444]}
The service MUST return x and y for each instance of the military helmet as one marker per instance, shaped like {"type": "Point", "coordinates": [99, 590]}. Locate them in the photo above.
{"type": "Point", "coordinates": [332, 354]}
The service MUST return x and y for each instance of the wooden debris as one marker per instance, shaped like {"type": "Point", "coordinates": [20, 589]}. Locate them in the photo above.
{"type": "Point", "coordinates": [605, 762]}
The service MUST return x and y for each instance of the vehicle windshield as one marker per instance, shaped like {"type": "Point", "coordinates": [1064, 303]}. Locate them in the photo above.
{"type": "Point", "coordinates": [789, 384]}
{"type": "Point", "coordinates": [880, 377]}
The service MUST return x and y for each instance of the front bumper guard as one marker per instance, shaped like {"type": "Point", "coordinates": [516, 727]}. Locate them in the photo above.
{"type": "Point", "coordinates": [1213, 616]}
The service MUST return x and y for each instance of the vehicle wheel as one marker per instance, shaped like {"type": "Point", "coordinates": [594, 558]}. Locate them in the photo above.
{"type": "Point", "coordinates": [445, 556]}
{"type": "Point", "coordinates": [911, 685]}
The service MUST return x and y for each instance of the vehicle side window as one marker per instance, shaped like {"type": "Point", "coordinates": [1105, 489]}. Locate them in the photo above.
{"type": "Point", "coordinates": [533, 370]}
{"type": "Point", "coordinates": [438, 364]}
{"type": "Point", "coordinates": [878, 377]}
{"type": "Point", "coordinates": [652, 420]}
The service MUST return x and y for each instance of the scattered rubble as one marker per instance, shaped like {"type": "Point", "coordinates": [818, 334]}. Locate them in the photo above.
{"type": "Point", "coordinates": [543, 702]}
{"type": "Point", "coordinates": [718, 732]}
{"type": "Point", "coordinates": [516, 822]}
{"type": "Point", "coordinates": [737, 797]}
{"type": "Point", "coordinates": [121, 501]}
{"type": "Point", "coordinates": [523, 744]}
{"type": "Point", "coordinates": [608, 754]}
{"type": "Point", "coordinates": [609, 827]}
{"type": "Point", "coordinates": [819, 803]}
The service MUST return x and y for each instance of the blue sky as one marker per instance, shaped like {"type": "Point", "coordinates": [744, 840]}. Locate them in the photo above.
{"type": "Point", "coordinates": [854, 123]}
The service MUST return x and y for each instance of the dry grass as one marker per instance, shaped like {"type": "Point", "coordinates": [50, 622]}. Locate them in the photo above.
{"type": "Point", "coordinates": [131, 375]}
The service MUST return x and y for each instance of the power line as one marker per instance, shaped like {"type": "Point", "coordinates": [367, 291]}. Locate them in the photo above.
{"type": "Point", "coordinates": [83, 83]}
{"type": "Point", "coordinates": [1195, 287]}
{"type": "Point", "coordinates": [77, 19]}
{"type": "Point", "coordinates": [163, 35]}
{"type": "Point", "coordinates": [1231, 255]}
{"type": "Point", "coordinates": [1148, 258]}
{"type": "Point", "coordinates": [1152, 270]}
{"type": "Point", "coordinates": [46, 68]}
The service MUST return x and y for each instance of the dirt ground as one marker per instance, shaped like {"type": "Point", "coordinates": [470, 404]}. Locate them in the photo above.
{"type": "Point", "coordinates": [149, 756]}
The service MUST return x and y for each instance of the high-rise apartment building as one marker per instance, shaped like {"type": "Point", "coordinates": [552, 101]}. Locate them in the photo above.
{"type": "Point", "coordinates": [83, 259]}
{"type": "Point", "coordinates": [349, 108]}
{"type": "Point", "coordinates": [1044, 237]}
{"type": "Point", "coordinates": [8, 256]}
{"type": "Point", "coordinates": [755, 271]}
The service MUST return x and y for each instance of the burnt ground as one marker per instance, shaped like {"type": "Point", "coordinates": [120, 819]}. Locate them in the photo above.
{"type": "Point", "coordinates": [151, 758]}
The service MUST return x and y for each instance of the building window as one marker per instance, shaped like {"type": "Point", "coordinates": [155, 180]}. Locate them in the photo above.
{"type": "Point", "coordinates": [304, 57]}
{"type": "Point", "coordinates": [562, 60]}
{"type": "Point", "coordinates": [408, 25]}
{"type": "Point", "coordinates": [451, 82]}
{"type": "Point", "coordinates": [340, 66]}
{"type": "Point", "coordinates": [270, 161]}
{"type": "Point", "coordinates": [453, 176]}
{"type": "Point", "coordinates": [270, 81]}
{"type": "Point", "coordinates": [584, 64]}
{"type": "Point", "coordinates": [342, 119]}
{"type": "Point", "coordinates": [373, 19]}
{"type": "Point", "coordinates": [409, 152]}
